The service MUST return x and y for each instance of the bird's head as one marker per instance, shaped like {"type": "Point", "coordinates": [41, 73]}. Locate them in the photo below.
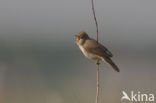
{"type": "Point", "coordinates": [81, 37]}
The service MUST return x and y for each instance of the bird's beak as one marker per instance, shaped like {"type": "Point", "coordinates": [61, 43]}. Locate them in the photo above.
{"type": "Point", "coordinates": [77, 38]}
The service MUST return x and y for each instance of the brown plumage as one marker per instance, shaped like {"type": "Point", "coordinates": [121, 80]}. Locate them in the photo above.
{"type": "Point", "coordinates": [93, 50]}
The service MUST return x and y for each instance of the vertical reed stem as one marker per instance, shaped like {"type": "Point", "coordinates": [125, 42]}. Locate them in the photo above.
{"type": "Point", "coordinates": [97, 82]}
{"type": "Point", "coordinates": [97, 63]}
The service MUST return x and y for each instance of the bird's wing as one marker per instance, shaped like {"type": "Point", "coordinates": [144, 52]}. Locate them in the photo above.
{"type": "Point", "coordinates": [106, 50]}
{"type": "Point", "coordinates": [92, 46]}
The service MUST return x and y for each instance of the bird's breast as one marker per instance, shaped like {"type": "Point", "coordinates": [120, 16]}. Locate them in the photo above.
{"type": "Point", "coordinates": [89, 54]}
{"type": "Point", "coordinates": [83, 51]}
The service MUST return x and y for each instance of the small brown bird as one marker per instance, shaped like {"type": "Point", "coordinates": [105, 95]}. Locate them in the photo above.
{"type": "Point", "coordinates": [94, 50]}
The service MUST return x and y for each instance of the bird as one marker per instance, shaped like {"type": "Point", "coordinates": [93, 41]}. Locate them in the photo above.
{"type": "Point", "coordinates": [94, 50]}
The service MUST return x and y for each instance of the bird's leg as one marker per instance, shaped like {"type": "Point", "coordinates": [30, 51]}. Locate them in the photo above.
{"type": "Point", "coordinates": [97, 82]}
{"type": "Point", "coordinates": [98, 63]}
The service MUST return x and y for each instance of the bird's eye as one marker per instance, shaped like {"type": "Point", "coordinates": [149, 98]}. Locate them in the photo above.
{"type": "Point", "coordinates": [82, 37]}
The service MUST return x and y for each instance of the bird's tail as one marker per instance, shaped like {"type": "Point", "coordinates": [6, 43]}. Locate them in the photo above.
{"type": "Point", "coordinates": [108, 60]}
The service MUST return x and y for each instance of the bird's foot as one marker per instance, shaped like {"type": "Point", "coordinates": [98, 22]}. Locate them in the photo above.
{"type": "Point", "coordinates": [98, 63]}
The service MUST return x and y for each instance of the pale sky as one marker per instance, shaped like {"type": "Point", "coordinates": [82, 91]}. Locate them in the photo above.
{"type": "Point", "coordinates": [120, 21]}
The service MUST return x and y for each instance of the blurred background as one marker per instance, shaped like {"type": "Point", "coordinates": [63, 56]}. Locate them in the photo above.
{"type": "Point", "coordinates": [40, 62]}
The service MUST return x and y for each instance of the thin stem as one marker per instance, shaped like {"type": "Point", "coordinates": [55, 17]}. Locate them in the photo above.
{"type": "Point", "coordinates": [97, 63]}
{"type": "Point", "coordinates": [97, 81]}
{"type": "Point", "coordinates": [97, 31]}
